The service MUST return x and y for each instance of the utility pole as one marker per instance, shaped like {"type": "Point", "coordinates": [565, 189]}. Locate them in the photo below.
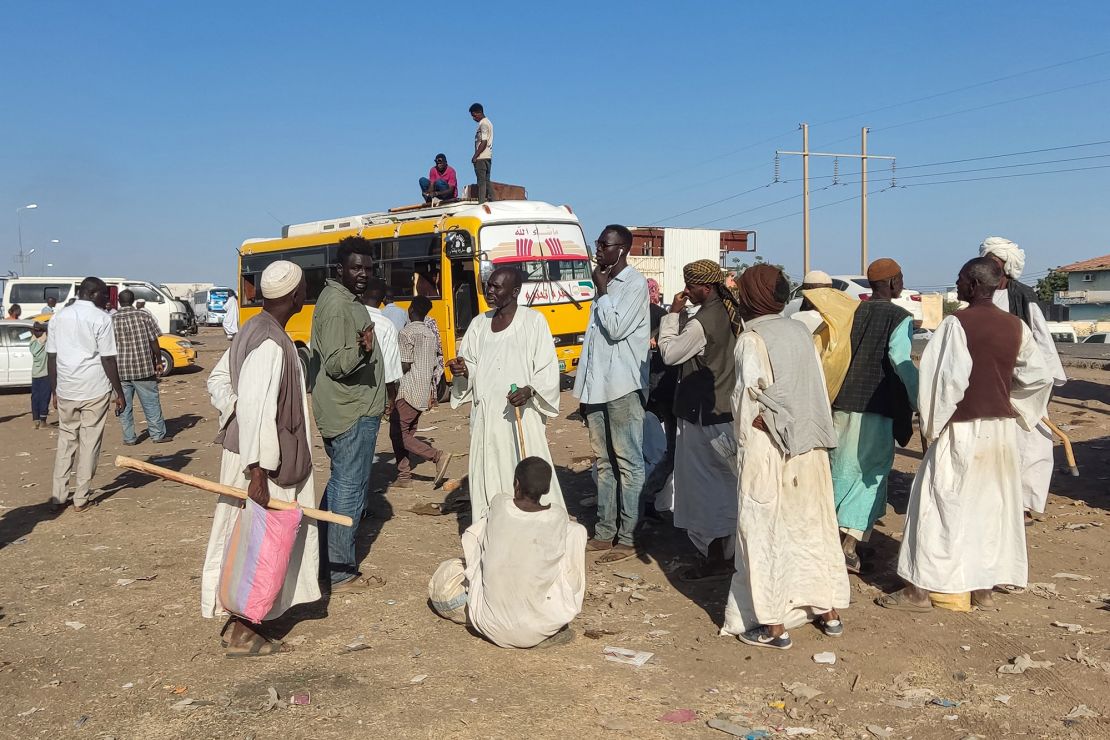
{"type": "Point", "coordinates": [863, 156]}
{"type": "Point", "coordinates": [805, 198]}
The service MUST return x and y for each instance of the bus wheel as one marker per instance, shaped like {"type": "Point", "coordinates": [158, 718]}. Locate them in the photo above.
{"type": "Point", "coordinates": [443, 391]}
{"type": "Point", "coordinates": [303, 355]}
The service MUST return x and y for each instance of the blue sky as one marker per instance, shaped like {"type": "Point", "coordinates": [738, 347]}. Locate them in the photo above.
{"type": "Point", "coordinates": [157, 136]}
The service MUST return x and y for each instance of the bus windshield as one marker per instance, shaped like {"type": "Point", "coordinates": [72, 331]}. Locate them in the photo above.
{"type": "Point", "coordinates": [553, 258]}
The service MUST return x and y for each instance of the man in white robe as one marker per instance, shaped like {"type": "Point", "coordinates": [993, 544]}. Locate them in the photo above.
{"type": "Point", "coordinates": [982, 378]}
{"type": "Point", "coordinates": [1019, 299]}
{"type": "Point", "coordinates": [789, 566]}
{"type": "Point", "coordinates": [524, 574]}
{"type": "Point", "coordinates": [509, 346]}
{"type": "Point", "coordinates": [259, 406]}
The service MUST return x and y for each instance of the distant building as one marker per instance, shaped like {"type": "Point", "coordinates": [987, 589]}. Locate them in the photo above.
{"type": "Point", "coordinates": [661, 252]}
{"type": "Point", "coordinates": [1088, 293]}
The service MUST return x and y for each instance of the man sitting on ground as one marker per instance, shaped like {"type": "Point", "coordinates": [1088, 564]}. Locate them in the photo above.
{"type": "Point", "coordinates": [525, 568]}
{"type": "Point", "coordinates": [441, 183]}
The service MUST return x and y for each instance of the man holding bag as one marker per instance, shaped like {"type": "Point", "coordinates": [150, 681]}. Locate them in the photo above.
{"type": "Point", "coordinates": [259, 390]}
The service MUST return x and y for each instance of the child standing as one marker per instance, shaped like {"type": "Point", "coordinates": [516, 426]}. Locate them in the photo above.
{"type": "Point", "coordinates": [40, 380]}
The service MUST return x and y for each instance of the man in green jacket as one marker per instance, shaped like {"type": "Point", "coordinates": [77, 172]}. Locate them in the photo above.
{"type": "Point", "coordinates": [348, 402]}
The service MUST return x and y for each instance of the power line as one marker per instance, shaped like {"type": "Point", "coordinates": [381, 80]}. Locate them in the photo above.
{"type": "Point", "coordinates": [902, 167]}
{"type": "Point", "coordinates": [964, 88]}
{"type": "Point", "coordinates": [1003, 177]}
{"type": "Point", "coordinates": [760, 207]}
{"type": "Point", "coordinates": [716, 202]}
{"type": "Point", "coordinates": [976, 169]}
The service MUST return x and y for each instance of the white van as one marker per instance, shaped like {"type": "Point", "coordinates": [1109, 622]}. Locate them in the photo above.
{"type": "Point", "coordinates": [1062, 332]}
{"type": "Point", "coordinates": [31, 294]}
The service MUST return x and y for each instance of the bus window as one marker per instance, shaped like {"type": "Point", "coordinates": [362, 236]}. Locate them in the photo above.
{"type": "Point", "coordinates": [409, 265]}
{"type": "Point", "coordinates": [315, 261]}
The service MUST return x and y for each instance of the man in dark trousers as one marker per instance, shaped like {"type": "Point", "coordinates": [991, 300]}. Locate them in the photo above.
{"type": "Point", "coordinates": [483, 152]}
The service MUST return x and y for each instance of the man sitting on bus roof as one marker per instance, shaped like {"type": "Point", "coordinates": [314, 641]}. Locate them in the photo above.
{"type": "Point", "coordinates": [441, 183]}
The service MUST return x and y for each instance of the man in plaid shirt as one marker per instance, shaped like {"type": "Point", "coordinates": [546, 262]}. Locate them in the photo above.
{"type": "Point", "coordinates": [139, 359]}
{"type": "Point", "coordinates": [418, 348]}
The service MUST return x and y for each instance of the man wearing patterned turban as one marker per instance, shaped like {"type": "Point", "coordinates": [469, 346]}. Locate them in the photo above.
{"type": "Point", "coordinates": [704, 481]}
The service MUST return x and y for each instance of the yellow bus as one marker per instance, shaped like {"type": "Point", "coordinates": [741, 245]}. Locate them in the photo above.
{"type": "Point", "coordinates": [445, 253]}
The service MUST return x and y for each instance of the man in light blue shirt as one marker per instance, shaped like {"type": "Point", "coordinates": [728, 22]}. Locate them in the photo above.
{"type": "Point", "coordinates": [611, 384]}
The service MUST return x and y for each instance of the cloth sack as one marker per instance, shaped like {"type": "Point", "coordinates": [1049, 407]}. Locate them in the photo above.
{"type": "Point", "coordinates": [834, 339]}
{"type": "Point", "coordinates": [256, 560]}
{"type": "Point", "coordinates": [447, 590]}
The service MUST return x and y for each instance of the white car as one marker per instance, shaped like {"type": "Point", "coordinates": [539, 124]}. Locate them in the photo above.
{"type": "Point", "coordinates": [15, 354]}
{"type": "Point", "coordinates": [859, 287]}
{"type": "Point", "coordinates": [1100, 338]}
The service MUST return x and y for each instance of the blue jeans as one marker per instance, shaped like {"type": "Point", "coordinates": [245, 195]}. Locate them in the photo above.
{"type": "Point", "coordinates": [147, 391]}
{"type": "Point", "coordinates": [441, 189]}
{"type": "Point", "coordinates": [617, 438]}
{"type": "Point", "coordinates": [40, 398]}
{"type": "Point", "coordinates": [352, 456]}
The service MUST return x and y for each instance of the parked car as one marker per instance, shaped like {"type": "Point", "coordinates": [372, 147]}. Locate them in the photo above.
{"type": "Point", "coordinates": [859, 287]}
{"type": "Point", "coordinates": [15, 355]}
{"type": "Point", "coordinates": [1099, 338]}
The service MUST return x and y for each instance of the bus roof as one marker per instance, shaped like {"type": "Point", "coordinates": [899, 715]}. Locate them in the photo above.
{"type": "Point", "coordinates": [494, 212]}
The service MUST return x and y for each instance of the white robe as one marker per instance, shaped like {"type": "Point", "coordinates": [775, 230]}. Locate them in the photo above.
{"type": "Point", "coordinates": [526, 573]}
{"type": "Point", "coordinates": [523, 354]}
{"type": "Point", "coordinates": [964, 523]}
{"type": "Point", "coordinates": [256, 411]}
{"type": "Point", "coordinates": [704, 499]}
{"type": "Point", "coordinates": [1035, 445]}
{"type": "Point", "coordinates": [789, 564]}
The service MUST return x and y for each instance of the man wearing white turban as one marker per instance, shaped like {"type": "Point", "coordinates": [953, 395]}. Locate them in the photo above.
{"type": "Point", "coordinates": [259, 391]}
{"type": "Point", "coordinates": [1035, 445]}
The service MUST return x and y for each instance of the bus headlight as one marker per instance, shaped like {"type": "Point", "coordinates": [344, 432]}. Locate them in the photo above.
{"type": "Point", "coordinates": [580, 339]}
{"type": "Point", "coordinates": [184, 344]}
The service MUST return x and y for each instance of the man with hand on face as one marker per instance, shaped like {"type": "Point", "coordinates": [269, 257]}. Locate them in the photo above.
{"type": "Point", "coordinates": [704, 479]}
{"type": "Point", "coordinates": [259, 391]}
{"type": "Point", "coordinates": [348, 401]}
{"type": "Point", "coordinates": [506, 347]}
{"type": "Point", "coordinates": [611, 384]}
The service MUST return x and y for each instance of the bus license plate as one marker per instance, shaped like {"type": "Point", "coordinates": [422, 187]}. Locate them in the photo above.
{"type": "Point", "coordinates": [562, 366]}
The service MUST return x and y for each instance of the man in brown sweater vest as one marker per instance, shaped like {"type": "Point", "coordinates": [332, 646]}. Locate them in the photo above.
{"type": "Point", "coordinates": [982, 376]}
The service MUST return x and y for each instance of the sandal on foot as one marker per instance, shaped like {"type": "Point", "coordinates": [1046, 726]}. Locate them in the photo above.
{"type": "Point", "coordinates": [831, 627]}
{"type": "Point", "coordinates": [616, 554]}
{"type": "Point", "coordinates": [258, 647]}
{"type": "Point", "coordinates": [895, 602]}
{"type": "Point", "coordinates": [598, 545]}
{"type": "Point", "coordinates": [562, 637]}
{"type": "Point", "coordinates": [703, 572]}
{"type": "Point", "coordinates": [358, 584]}
{"type": "Point", "coordinates": [761, 637]}
{"type": "Point", "coordinates": [852, 562]}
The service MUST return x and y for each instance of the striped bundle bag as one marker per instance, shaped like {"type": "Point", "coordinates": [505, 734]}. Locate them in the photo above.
{"type": "Point", "coordinates": [256, 560]}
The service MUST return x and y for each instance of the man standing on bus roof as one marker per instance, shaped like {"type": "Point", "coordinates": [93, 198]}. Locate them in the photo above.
{"type": "Point", "coordinates": [483, 152]}
{"type": "Point", "coordinates": [441, 183]}
{"type": "Point", "coordinates": [611, 384]}
{"type": "Point", "coordinates": [348, 402]}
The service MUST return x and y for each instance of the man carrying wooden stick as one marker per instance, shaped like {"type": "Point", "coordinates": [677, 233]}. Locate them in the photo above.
{"type": "Point", "coordinates": [505, 348]}
{"type": "Point", "coordinates": [259, 390]}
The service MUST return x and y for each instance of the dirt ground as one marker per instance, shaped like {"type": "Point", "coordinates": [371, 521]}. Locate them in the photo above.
{"type": "Point", "coordinates": [85, 651]}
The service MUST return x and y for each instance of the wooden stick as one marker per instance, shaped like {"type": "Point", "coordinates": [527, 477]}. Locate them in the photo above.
{"type": "Point", "coordinates": [131, 463]}
{"type": "Point", "coordinates": [1067, 446]}
{"type": "Point", "coordinates": [520, 433]}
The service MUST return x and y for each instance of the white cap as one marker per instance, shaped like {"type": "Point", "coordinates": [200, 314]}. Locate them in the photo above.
{"type": "Point", "coordinates": [280, 279]}
{"type": "Point", "coordinates": [817, 277]}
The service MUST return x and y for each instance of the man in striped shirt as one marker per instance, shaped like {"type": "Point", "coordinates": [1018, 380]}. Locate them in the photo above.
{"type": "Point", "coordinates": [418, 349]}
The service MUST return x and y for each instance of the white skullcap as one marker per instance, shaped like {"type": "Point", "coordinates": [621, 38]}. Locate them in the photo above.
{"type": "Point", "coordinates": [817, 277]}
{"type": "Point", "coordinates": [280, 279]}
{"type": "Point", "coordinates": [1012, 256]}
